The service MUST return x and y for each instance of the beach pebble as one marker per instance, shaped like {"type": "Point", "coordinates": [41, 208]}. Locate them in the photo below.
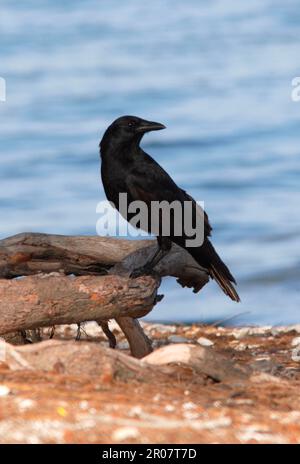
{"type": "Point", "coordinates": [252, 331]}
{"type": "Point", "coordinates": [204, 341]}
{"type": "Point", "coordinates": [296, 353]}
{"type": "Point", "coordinates": [292, 417]}
{"type": "Point", "coordinates": [241, 333]}
{"type": "Point", "coordinates": [177, 339]}
{"type": "Point", "coordinates": [125, 433]}
{"type": "Point", "coordinates": [265, 329]}
{"type": "Point", "coordinates": [84, 405]}
{"type": "Point", "coordinates": [189, 405]}
{"type": "Point", "coordinates": [135, 411]}
{"type": "Point", "coordinates": [169, 408]}
{"type": "Point", "coordinates": [162, 328]}
{"type": "Point", "coordinates": [289, 328]}
{"type": "Point", "coordinates": [124, 345]}
{"type": "Point", "coordinates": [25, 404]}
{"type": "Point", "coordinates": [275, 331]}
{"type": "Point", "coordinates": [262, 358]}
{"type": "Point", "coordinates": [212, 424]}
{"type": "Point", "coordinates": [4, 390]}
{"type": "Point", "coordinates": [241, 347]}
{"type": "Point", "coordinates": [191, 415]}
{"type": "Point", "coordinates": [295, 327]}
{"type": "Point", "coordinates": [250, 434]}
{"type": "Point", "coordinates": [296, 341]}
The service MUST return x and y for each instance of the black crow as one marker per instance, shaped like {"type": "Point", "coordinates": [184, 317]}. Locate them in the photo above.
{"type": "Point", "coordinates": [126, 168]}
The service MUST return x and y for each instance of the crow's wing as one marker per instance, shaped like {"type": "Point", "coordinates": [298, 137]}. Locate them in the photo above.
{"type": "Point", "coordinates": [150, 182]}
{"type": "Point", "coordinates": [200, 211]}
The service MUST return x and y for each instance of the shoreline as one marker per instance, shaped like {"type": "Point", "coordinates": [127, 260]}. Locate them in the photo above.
{"type": "Point", "coordinates": [40, 406]}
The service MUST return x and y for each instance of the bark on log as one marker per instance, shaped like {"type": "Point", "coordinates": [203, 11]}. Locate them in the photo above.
{"type": "Point", "coordinates": [30, 253]}
{"type": "Point", "coordinates": [47, 299]}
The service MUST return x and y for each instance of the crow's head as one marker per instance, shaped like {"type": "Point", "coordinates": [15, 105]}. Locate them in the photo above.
{"type": "Point", "coordinates": [130, 128]}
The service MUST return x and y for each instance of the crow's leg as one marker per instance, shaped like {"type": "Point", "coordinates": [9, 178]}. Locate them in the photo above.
{"type": "Point", "coordinates": [52, 332]}
{"type": "Point", "coordinates": [23, 334]}
{"type": "Point", "coordinates": [78, 334]}
{"type": "Point", "coordinates": [164, 246]}
{"type": "Point", "coordinates": [111, 337]}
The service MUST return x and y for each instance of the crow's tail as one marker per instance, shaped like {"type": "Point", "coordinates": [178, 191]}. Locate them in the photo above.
{"type": "Point", "coordinates": [217, 273]}
{"type": "Point", "coordinates": [207, 256]}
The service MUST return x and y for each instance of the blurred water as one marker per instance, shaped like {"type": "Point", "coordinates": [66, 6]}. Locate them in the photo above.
{"type": "Point", "coordinates": [217, 73]}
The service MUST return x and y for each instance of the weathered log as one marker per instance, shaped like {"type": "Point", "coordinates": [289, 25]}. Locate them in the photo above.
{"type": "Point", "coordinates": [202, 360]}
{"type": "Point", "coordinates": [139, 343]}
{"type": "Point", "coordinates": [69, 357]}
{"type": "Point", "coordinates": [94, 360]}
{"type": "Point", "coordinates": [50, 299]}
{"type": "Point", "coordinates": [30, 253]}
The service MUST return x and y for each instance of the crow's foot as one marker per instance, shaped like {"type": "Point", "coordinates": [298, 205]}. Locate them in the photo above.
{"type": "Point", "coordinates": [140, 271]}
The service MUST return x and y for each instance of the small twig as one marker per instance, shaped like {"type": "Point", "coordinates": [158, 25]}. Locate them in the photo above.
{"type": "Point", "coordinates": [140, 344]}
{"type": "Point", "coordinates": [221, 321]}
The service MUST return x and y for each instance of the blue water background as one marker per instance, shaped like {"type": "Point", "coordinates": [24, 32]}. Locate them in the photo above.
{"type": "Point", "coordinates": [217, 73]}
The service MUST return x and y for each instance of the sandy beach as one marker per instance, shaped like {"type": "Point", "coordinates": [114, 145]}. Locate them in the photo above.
{"type": "Point", "coordinates": [38, 405]}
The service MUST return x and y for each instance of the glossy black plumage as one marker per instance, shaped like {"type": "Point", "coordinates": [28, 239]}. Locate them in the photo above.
{"type": "Point", "coordinates": [126, 168]}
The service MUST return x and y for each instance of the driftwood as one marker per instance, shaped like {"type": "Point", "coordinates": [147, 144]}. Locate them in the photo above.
{"type": "Point", "coordinates": [202, 360]}
{"type": "Point", "coordinates": [82, 278]}
{"type": "Point", "coordinates": [139, 343]}
{"type": "Point", "coordinates": [30, 253]}
{"type": "Point", "coordinates": [94, 360]}
{"type": "Point", "coordinates": [45, 300]}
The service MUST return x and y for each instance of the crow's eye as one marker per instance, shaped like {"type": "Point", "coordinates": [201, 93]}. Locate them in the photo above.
{"type": "Point", "coordinates": [131, 124]}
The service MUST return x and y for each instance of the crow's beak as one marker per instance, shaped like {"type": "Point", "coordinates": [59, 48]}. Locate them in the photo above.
{"type": "Point", "coordinates": [147, 126]}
